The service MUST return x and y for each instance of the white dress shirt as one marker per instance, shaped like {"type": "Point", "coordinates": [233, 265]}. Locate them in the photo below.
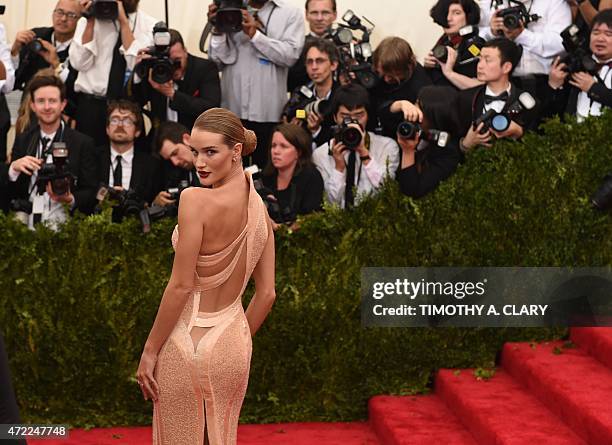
{"type": "Point", "coordinates": [588, 107]}
{"type": "Point", "coordinates": [384, 154]}
{"type": "Point", "coordinates": [254, 71]}
{"type": "Point", "coordinates": [497, 105]}
{"type": "Point", "coordinates": [59, 46]}
{"type": "Point", "coordinates": [93, 60]}
{"type": "Point", "coordinates": [126, 167]}
{"type": "Point", "coordinates": [6, 85]}
{"type": "Point", "coordinates": [541, 40]}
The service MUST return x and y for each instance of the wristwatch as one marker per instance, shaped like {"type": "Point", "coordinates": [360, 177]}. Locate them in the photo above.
{"type": "Point", "coordinates": [364, 158]}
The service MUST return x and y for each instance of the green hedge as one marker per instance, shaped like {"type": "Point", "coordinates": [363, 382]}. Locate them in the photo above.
{"type": "Point", "coordinates": [77, 305]}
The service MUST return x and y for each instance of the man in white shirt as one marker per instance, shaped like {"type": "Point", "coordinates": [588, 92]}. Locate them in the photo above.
{"type": "Point", "coordinates": [254, 64]}
{"type": "Point", "coordinates": [104, 52]}
{"type": "Point", "coordinates": [351, 172]}
{"type": "Point", "coordinates": [587, 94]}
{"type": "Point", "coordinates": [54, 43]}
{"type": "Point", "coordinates": [540, 39]}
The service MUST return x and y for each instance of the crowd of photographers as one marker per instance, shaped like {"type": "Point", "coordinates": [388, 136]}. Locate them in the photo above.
{"type": "Point", "coordinates": [334, 116]}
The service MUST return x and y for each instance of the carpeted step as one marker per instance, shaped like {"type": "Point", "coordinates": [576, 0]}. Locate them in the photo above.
{"type": "Point", "coordinates": [355, 433]}
{"type": "Point", "coordinates": [571, 383]}
{"type": "Point", "coordinates": [595, 341]}
{"type": "Point", "coordinates": [499, 411]}
{"type": "Point", "coordinates": [416, 420]}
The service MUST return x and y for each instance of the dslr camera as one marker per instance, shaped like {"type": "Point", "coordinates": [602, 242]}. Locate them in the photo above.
{"type": "Point", "coordinates": [103, 10]}
{"type": "Point", "coordinates": [515, 15]}
{"type": "Point", "coordinates": [500, 122]}
{"type": "Point", "coordinates": [303, 102]}
{"type": "Point", "coordinates": [347, 134]}
{"type": "Point", "coordinates": [286, 215]}
{"type": "Point", "coordinates": [602, 198]}
{"type": "Point", "coordinates": [157, 212]}
{"type": "Point", "coordinates": [229, 15]}
{"type": "Point", "coordinates": [410, 130]}
{"type": "Point", "coordinates": [355, 54]}
{"type": "Point", "coordinates": [160, 65]}
{"type": "Point", "coordinates": [55, 171]}
{"type": "Point", "coordinates": [126, 203]}
{"type": "Point", "coordinates": [469, 49]}
{"type": "Point", "coordinates": [578, 58]}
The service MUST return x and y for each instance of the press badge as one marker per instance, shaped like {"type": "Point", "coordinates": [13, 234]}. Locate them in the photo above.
{"type": "Point", "coordinates": [38, 205]}
{"type": "Point", "coordinates": [264, 61]}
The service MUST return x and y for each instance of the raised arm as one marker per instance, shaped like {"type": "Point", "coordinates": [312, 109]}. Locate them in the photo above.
{"type": "Point", "coordinates": [264, 297]}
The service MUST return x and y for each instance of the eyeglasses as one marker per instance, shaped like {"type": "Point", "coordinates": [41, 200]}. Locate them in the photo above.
{"type": "Point", "coordinates": [317, 61]}
{"type": "Point", "coordinates": [324, 14]}
{"type": "Point", "coordinates": [126, 122]}
{"type": "Point", "coordinates": [60, 13]}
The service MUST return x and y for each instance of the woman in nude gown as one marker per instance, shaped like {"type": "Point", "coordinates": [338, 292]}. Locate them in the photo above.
{"type": "Point", "coordinates": [195, 363]}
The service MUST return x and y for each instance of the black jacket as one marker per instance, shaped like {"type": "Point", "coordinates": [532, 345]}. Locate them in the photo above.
{"type": "Point", "coordinates": [5, 126]}
{"type": "Point", "coordinates": [432, 165]}
{"type": "Point", "coordinates": [466, 69]}
{"type": "Point", "coordinates": [81, 159]}
{"type": "Point", "coordinates": [30, 63]}
{"type": "Point", "coordinates": [565, 100]}
{"type": "Point", "coordinates": [199, 90]}
{"type": "Point", "coordinates": [146, 175]}
{"type": "Point", "coordinates": [471, 104]}
{"type": "Point", "coordinates": [384, 95]}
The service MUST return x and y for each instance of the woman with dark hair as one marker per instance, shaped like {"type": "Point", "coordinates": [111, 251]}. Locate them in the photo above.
{"type": "Point", "coordinates": [430, 153]}
{"type": "Point", "coordinates": [195, 363]}
{"type": "Point", "coordinates": [454, 16]}
{"type": "Point", "coordinates": [402, 77]}
{"type": "Point", "coordinates": [293, 185]}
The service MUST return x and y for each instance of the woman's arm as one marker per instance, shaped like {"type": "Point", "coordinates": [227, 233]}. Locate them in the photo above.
{"type": "Point", "coordinates": [179, 288]}
{"type": "Point", "coordinates": [264, 297]}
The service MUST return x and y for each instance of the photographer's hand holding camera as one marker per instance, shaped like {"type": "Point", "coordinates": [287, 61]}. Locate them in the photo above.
{"type": "Point", "coordinates": [581, 82]}
{"type": "Point", "coordinates": [104, 51]}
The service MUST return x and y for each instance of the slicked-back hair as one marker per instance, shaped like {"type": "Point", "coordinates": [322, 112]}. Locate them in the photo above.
{"type": "Point", "coordinates": [603, 18]}
{"type": "Point", "coordinates": [352, 96]}
{"type": "Point", "coordinates": [439, 11]}
{"type": "Point", "coordinates": [168, 131]}
{"type": "Point", "coordinates": [333, 2]}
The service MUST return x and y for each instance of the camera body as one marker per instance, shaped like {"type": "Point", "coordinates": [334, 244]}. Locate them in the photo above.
{"type": "Point", "coordinates": [286, 215]}
{"type": "Point", "coordinates": [411, 130]}
{"type": "Point", "coordinates": [515, 15]}
{"type": "Point", "coordinates": [347, 134]}
{"type": "Point", "coordinates": [355, 54]}
{"type": "Point", "coordinates": [468, 50]}
{"type": "Point", "coordinates": [602, 198]}
{"type": "Point", "coordinates": [303, 102]}
{"type": "Point", "coordinates": [55, 172]}
{"type": "Point", "coordinates": [126, 203]}
{"type": "Point", "coordinates": [577, 59]}
{"type": "Point", "coordinates": [229, 15]}
{"type": "Point", "coordinates": [160, 65]}
{"type": "Point", "coordinates": [103, 10]}
{"type": "Point", "coordinates": [500, 122]}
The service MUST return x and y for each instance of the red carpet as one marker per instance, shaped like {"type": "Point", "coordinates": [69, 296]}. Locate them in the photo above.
{"type": "Point", "coordinates": [547, 394]}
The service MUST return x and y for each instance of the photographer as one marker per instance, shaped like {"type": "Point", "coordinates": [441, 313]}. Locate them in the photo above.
{"type": "Point", "coordinates": [582, 93]}
{"type": "Point", "coordinates": [255, 62]}
{"type": "Point", "coordinates": [39, 48]}
{"type": "Point", "coordinates": [536, 28]}
{"type": "Point", "coordinates": [102, 50]}
{"type": "Point", "coordinates": [320, 15]}
{"type": "Point", "coordinates": [293, 185]}
{"type": "Point", "coordinates": [584, 11]}
{"type": "Point", "coordinates": [321, 65]}
{"type": "Point", "coordinates": [192, 89]}
{"type": "Point", "coordinates": [171, 143]}
{"type": "Point", "coordinates": [497, 61]}
{"type": "Point", "coordinates": [402, 79]}
{"type": "Point", "coordinates": [36, 148]}
{"type": "Point", "coordinates": [427, 156]}
{"type": "Point", "coordinates": [7, 79]}
{"type": "Point", "coordinates": [459, 19]}
{"type": "Point", "coordinates": [354, 158]}
{"type": "Point", "coordinates": [119, 165]}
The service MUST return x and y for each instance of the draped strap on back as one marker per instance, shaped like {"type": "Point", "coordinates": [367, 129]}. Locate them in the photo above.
{"type": "Point", "coordinates": [216, 280]}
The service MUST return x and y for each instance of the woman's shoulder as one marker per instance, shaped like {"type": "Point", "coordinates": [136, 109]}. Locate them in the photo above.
{"type": "Point", "coordinates": [308, 174]}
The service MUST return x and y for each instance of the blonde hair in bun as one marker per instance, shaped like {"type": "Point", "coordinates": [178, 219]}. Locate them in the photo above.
{"type": "Point", "coordinates": [224, 122]}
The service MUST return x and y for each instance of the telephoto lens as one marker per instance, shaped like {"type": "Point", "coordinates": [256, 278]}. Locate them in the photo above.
{"type": "Point", "coordinates": [408, 130]}
{"type": "Point", "coordinates": [35, 46]}
{"type": "Point", "coordinates": [440, 52]}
